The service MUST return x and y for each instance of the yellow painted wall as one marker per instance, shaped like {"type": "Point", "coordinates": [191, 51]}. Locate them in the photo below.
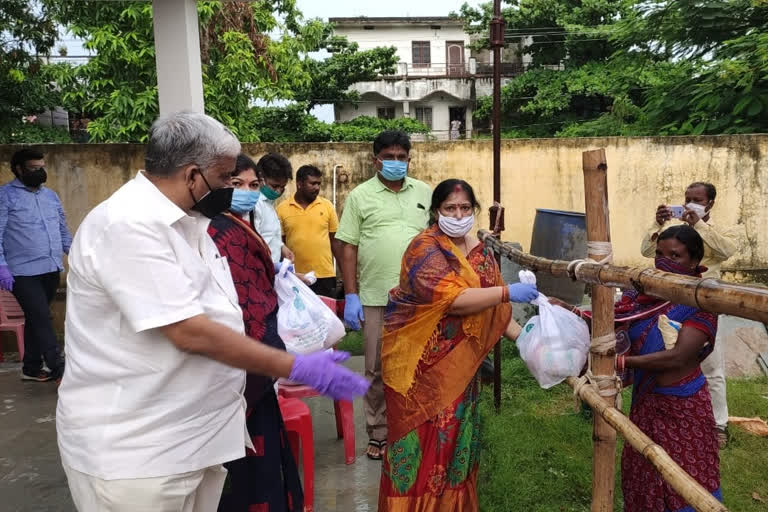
{"type": "Point", "coordinates": [536, 173]}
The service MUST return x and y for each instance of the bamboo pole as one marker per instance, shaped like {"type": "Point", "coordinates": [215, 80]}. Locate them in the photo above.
{"type": "Point", "coordinates": [601, 360]}
{"type": "Point", "coordinates": [690, 490]}
{"type": "Point", "coordinates": [707, 294]}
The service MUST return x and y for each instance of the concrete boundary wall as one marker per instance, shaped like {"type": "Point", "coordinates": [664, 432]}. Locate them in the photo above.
{"type": "Point", "coordinates": [536, 173]}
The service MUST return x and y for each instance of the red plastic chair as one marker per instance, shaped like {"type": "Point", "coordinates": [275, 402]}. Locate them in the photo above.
{"type": "Point", "coordinates": [12, 319]}
{"type": "Point", "coordinates": [298, 425]}
{"type": "Point", "coordinates": [345, 414]}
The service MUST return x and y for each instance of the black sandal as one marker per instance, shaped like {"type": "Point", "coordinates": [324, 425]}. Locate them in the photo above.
{"type": "Point", "coordinates": [381, 445]}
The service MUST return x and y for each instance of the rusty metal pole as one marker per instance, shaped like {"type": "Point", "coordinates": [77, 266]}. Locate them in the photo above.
{"type": "Point", "coordinates": [497, 213]}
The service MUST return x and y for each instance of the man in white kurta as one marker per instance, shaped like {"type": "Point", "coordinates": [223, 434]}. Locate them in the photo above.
{"type": "Point", "coordinates": [151, 403]}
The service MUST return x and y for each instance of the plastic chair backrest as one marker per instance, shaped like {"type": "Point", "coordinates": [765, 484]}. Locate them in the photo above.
{"type": "Point", "coordinates": [337, 306]}
{"type": "Point", "coordinates": [9, 307]}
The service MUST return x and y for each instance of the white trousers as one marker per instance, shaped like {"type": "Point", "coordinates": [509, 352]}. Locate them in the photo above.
{"type": "Point", "coordinates": [197, 491]}
{"type": "Point", "coordinates": [713, 368]}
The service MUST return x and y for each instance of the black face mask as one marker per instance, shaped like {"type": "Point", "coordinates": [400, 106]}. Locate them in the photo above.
{"type": "Point", "coordinates": [214, 202]}
{"type": "Point", "coordinates": [33, 179]}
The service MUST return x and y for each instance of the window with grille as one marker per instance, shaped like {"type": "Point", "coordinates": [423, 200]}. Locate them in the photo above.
{"type": "Point", "coordinates": [424, 115]}
{"type": "Point", "coordinates": [385, 112]}
{"type": "Point", "coordinates": [421, 54]}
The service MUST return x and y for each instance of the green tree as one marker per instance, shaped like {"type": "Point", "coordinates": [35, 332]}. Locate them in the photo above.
{"type": "Point", "coordinates": [626, 67]}
{"type": "Point", "coordinates": [293, 123]}
{"type": "Point", "coordinates": [572, 79]}
{"type": "Point", "coordinates": [27, 34]}
{"type": "Point", "coordinates": [242, 62]}
{"type": "Point", "coordinates": [726, 46]}
{"type": "Point", "coordinates": [331, 78]}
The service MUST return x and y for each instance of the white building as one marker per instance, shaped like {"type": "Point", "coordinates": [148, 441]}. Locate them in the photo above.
{"type": "Point", "coordinates": [438, 78]}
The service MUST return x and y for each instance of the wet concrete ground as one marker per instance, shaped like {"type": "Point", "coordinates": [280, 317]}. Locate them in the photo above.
{"type": "Point", "coordinates": [32, 480]}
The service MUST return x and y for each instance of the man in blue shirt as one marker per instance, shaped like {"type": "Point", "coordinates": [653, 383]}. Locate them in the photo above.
{"type": "Point", "coordinates": [33, 238]}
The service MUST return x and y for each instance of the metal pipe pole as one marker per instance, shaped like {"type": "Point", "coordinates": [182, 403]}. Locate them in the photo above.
{"type": "Point", "coordinates": [497, 43]}
{"type": "Point", "coordinates": [497, 213]}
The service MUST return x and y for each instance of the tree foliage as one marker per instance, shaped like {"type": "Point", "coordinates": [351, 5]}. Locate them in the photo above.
{"type": "Point", "coordinates": [631, 67]}
{"type": "Point", "coordinates": [331, 78]}
{"type": "Point", "coordinates": [294, 124]}
{"type": "Point", "coordinates": [27, 33]}
{"type": "Point", "coordinates": [251, 52]}
{"type": "Point", "coordinates": [726, 43]}
{"type": "Point", "coordinates": [240, 62]}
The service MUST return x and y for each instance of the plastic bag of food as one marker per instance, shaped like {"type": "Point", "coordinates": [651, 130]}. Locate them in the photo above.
{"type": "Point", "coordinates": [555, 343]}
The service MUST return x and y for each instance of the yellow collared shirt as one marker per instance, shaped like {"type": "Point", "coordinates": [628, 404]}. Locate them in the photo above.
{"type": "Point", "coordinates": [307, 234]}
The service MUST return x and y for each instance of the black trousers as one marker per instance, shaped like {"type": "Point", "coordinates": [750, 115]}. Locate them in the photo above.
{"type": "Point", "coordinates": [35, 295]}
{"type": "Point", "coordinates": [325, 286]}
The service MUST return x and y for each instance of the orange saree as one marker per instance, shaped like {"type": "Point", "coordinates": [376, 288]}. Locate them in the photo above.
{"type": "Point", "coordinates": [430, 362]}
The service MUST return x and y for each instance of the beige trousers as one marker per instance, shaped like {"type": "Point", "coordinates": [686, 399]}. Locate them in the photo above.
{"type": "Point", "coordinates": [196, 491]}
{"type": "Point", "coordinates": [713, 368]}
{"type": "Point", "coordinates": [375, 406]}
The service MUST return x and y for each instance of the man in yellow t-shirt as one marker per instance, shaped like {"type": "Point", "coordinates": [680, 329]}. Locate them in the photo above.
{"type": "Point", "coordinates": [309, 224]}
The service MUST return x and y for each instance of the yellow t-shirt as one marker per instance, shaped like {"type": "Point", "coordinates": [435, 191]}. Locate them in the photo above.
{"type": "Point", "coordinates": [306, 233]}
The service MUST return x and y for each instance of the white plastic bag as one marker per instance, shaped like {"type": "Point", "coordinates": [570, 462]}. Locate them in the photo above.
{"type": "Point", "coordinates": [555, 343]}
{"type": "Point", "coordinates": [304, 322]}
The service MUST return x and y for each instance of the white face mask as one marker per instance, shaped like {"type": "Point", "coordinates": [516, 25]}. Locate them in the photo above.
{"type": "Point", "coordinates": [453, 227]}
{"type": "Point", "coordinates": [700, 210]}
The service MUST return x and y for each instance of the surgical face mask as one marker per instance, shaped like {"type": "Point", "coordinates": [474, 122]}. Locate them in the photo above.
{"type": "Point", "coordinates": [33, 179]}
{"type": "Point", "coordinates": [244, 200]}
{"type": "Point", "coordinates": [214, 202]}
{"type": "Point", "coordinates": [453, 227]}
{"type": "Point", "coordinates": [270, 193]}
{"type": "Point", "coordinates": [393, 170]}
{"type": "Point", "coordinates": [700, 209]}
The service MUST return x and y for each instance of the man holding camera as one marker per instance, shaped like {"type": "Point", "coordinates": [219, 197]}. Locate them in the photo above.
{"type": "Point", "coordinates": [720, 243]}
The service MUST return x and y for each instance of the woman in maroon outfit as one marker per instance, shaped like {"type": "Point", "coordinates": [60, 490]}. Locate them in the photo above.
{"type": "Point", "coordinates": [266, 479]}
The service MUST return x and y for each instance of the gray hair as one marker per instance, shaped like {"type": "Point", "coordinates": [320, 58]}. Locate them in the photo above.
{"type": "Point", "coordinates": [183, 138]}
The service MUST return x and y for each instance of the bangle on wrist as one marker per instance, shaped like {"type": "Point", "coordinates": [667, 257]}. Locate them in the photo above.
{"type": "Point", "coordinates": [504, 294]}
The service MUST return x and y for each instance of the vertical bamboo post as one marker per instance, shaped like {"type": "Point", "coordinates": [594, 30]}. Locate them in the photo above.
{"type": "Point", "coordinates": [598, 230]}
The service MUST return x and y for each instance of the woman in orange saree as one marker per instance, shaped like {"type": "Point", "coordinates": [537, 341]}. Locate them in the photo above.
{"type": "Point", "coordinates": [449, 310]}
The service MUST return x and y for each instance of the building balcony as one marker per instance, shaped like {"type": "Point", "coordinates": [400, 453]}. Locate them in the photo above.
{"type": "Point", "coordinates": [452, 70]}
{"type": "Point", "coordinates": [414, 88]}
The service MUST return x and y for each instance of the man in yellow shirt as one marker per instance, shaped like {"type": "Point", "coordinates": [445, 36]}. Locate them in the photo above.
{"type": "Point", "coordinates": [309, 225]}
{"type": "Point", "coordinates": [720, 243]}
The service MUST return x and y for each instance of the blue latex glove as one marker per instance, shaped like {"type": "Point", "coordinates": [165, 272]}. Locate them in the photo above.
{"type": "Point", "coordinates": [353, 311]}
{"type": "Point", "coordinates": [323, 372]}
{"type": "Point", "coordinates": [279, 265]}
{"type": "Point", "coordinates": [520, 292]}
{"type": "Point", "coordinates": [6, 279]}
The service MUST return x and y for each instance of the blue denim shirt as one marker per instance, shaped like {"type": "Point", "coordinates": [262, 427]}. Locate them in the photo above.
{"type": "Point", "coordinates": [33, 230]}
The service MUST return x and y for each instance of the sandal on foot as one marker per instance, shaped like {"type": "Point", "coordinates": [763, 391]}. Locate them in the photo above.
{"type": "Point", "coordinates": [722, 438]}
{"type": "Point", "coordinates": [380, 445]}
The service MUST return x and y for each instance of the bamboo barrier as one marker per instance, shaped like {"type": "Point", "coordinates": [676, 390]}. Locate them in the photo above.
{"type": "Point", "coordinates": [707, 294]}
{"type": "Point", "coordinates": [698, 497]}
{"type": "Point", "coordinates": [602, 355]}
{"type": "Point", "coordinates": [710, 294]}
